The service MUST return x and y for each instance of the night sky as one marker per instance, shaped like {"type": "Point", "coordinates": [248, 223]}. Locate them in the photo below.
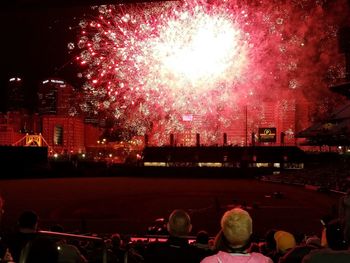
{"type": "Point", "coordinates": [34, 42]}
{"type": "Point", "coordinates": [34, 46]}
{"type": "Point", "coordinates": [34, 39]}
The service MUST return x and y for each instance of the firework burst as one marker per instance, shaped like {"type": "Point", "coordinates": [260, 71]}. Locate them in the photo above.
{"type": "Point", "coordinates": [149, 65]}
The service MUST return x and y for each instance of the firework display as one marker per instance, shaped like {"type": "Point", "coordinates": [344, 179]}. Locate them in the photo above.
{"type": "Point", "coordinates": [152, 67]}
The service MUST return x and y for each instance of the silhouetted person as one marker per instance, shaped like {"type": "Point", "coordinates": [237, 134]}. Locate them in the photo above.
{"type": "Point", "coordinates": [285, 241]}
{"type": "Point", "coordinates": [202, 240]}
{"type": "Point", "coordinates": [337, 250]}
{"type": "Point", "coordinates": [202, 243]}
{"type": "Point", "coordinates": [344, 213]}
{"type": "Point", "coordinates": [118, 252]}
{"type": "Point", "coordinates": [268, 247]}
{"type": "Point", "coordinates": [176, 248]}
{"type": "Point", "coordinates": [40, 250]}
{"type": "Point", "coordinates": [67, 253]}
{"type": "Point", "coordinates": [296, 254]}
{"type": "Point", "coordinates": [27, 231]}
{"type": "Point", "coordinates": [5, 255]}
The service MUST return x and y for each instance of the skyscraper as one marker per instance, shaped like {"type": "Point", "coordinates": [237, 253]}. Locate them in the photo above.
{"type": "Point", "coordinates": [55, 97]}
{"type": "Point", "coordinates": [15, 94]}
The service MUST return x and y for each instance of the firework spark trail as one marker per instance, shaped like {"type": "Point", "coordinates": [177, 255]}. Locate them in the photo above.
{"type": "Point", "coordinates": [148, 64]}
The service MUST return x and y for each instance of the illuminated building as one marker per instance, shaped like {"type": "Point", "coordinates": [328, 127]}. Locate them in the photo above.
{"type": "Point", "coordinates": [287, 116]}
{"type": "Point", "coordinates": [56, 97]}
{"type": "Point", "coordinates": [62, 129]}
{"type": "Point", "coordinates": [14, 124]}
{"type": "Point", "coordinates": [15, 94]}
{"type": "Point", "coordinates": [64, 134]}
{"type": "Point", "coordinates": [8, 132]}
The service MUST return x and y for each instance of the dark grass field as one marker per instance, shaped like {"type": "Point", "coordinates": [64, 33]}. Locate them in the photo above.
{"type": "Point", "coordinates": [129, 204]}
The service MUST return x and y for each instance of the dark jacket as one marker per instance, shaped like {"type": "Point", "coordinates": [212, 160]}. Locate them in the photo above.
{"type": "Point", "coordinates": [174, 250]}
{"type": "Point", "coordinates": [296, 254]}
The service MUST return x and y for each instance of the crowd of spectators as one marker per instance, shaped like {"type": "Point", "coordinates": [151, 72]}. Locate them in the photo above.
{"type": "Point", "coordinates": [235, 242]}
{"type": "Point", "coordinates": [329, 173]}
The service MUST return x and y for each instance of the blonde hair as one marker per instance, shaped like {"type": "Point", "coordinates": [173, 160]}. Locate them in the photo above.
{"type": "Point", "coordinates": [237, 227]}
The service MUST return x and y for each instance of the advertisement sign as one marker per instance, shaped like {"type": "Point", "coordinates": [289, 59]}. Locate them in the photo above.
{"type": "Point", "coordinates": [267, 134]}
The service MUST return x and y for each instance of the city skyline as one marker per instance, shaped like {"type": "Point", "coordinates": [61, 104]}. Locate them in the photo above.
{"type": "Point", "coordinates": [35, 47]}
{"type": "Point", "coordinates": [285, 53]}
{"type": "Point", "coordinates": [35, 38]}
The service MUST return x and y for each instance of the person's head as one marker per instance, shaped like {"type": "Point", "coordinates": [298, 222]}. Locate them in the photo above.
{"type": "Point", "coordinates": [270, 241]}
{"type": "Point", "coordinates": [116, 240]}
{"type": "Point", "coordinates": [284, 241]}
{"type": "Point", "coordinates": [202, 237]}
{"type": "Point", "coordinates": [335, 235]}
{"type": "Point", "coordinates": [28, 219]}
{"type": "Point", "coordinates": [57, 228]}
{"type": "Point", "coordinates": [179, 223]}
{"type": "Point", "coordinates": [236, 225]}
{"type": "Point", "coordinates": [313, 241]}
